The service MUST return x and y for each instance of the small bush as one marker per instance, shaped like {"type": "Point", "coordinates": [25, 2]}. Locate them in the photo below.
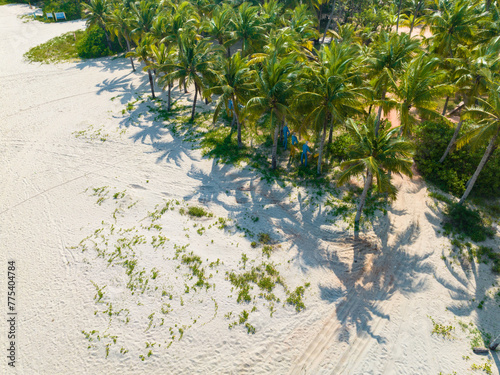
{"type": "Point", "coordinates": [339, 148]}
{"type": "Point", "coordinates": [197, 211]}
{"type": "Point", "coordinates": [462, 220]}
{"type": "Point", "coordinates": [264, 238]}
{"type": "Point", "coordinates": [93, 44]}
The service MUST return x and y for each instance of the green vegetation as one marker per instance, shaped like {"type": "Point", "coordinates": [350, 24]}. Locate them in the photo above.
{"type": "Point", "coordinates": [58, 49]}
{"type": "Point", "coordinates": [464, 221]}
{"type": "Point", "coordinates": [441, 329]}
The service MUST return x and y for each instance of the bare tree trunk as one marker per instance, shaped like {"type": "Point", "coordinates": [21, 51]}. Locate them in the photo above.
{"type": "Point", "coordinates": [479, 167]}
{"type": "Point", "coordinates": [452, 141]}
{"type": "Point", "coordinates": [361, 203]}
{"type": "Point", "coordinates": [194, 101]}
{"type": "Point", "coordinates": [275, 142]}
{"type": "Point", "coordinates": [328, 23]}
{"type": "Point", "coordinates": [151, 83]}
{"type": "Point", "coordinates": [128, 50]}
{"type": "Point", "coordinates": [445, 105]}
{"type": "Point", "coordinates": [321, 145]}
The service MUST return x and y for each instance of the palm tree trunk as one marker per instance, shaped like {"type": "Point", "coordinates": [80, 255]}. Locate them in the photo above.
{"type": "Point", "coordinates": [361, 203]}
{"type": "Point", "coordinates": [445, 105]}
{"type": "Point", "coordinates": [128, 50]}
{"type": "Point", "coordinates": [399, 12]}
{"type": "Point", "coordinates": [169, 97]}
{"type": "Point", "coordinates": [194, 101]}
{"type": "Point", "coordinates": [328, 23]}
{"type": "Point", "coordinates": [151, 83]}
{"type": "Point", "coordinates": [479, 167]}
{"type": "Point", "coordinates": [321, 145]}
{"type": "Point", "coordinates": [379, 115]}
{"type": "Point", "coordinates": [330, 136]}
{"type": "Point", "coordinates": [452, 141]}
{"type": "Point", "coordinates": [275, 142]}
{"type": "Point", "coordinates": [238, 124]}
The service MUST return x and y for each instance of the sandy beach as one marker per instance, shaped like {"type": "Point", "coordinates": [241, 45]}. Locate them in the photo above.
{"type": "Point", "coordinates": [92, 210]}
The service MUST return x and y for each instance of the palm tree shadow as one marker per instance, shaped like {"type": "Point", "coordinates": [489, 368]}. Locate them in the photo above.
{"type": "Point", "coordinates": [372, 275]}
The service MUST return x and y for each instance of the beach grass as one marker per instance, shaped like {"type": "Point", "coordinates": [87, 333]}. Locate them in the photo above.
{"type": "Point", "coordinates": [58, 49]}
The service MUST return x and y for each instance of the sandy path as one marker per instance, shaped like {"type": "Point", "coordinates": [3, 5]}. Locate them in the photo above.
{"type": "Point", "coordinates": [366, 309]}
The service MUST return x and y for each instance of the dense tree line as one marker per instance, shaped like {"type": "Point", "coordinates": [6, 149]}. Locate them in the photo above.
{"type": "Point", "coordinates": [320, 66]}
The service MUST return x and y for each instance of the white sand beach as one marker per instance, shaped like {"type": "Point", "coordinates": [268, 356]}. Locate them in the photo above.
{"type": "Point", "coordinates": [80, 177]}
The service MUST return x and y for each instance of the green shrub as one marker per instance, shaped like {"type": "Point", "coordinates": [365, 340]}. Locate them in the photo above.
{"type": "Point", "coordinates": [462, 220]}
{"type": "Point", "coordinates": [72, 8]}
{"type": "Point", "coordinates": [93, 44]}
{"type": "Point", "coordinates": [459, 166]}
{"type": "Point", "coordinates": [339, 148]}
{"type": "Point", "coordinates": [60, 48]}
{"type": "Point", "coordinates": [197, 211]}
{"type": "Point", "coordinates": [264, 238]}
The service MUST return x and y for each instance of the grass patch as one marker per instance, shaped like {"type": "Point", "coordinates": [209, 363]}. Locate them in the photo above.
{"type": "Point", "coordinates": [198, 212]}
{"type": "Point", "coordinates": [463, 221]}
{"type": "Point", "coordinates": [58, 49]}
{"type": "Point", "coordinates": [221, 144]}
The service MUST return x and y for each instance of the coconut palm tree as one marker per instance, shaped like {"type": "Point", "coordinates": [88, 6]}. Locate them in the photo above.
{"type": "Point", "coordinates": [418, 87]}
{"type": "Point", "coordinates": [97, 13]}
{"type": "Point", "coordinates": [473, 70]}
{"type": "Point", "coordinates": [301, 25]}
{"type": "Point", "coordinates": [196, 62]}
{"type": "Point", "coordinates": [275, 84]}
{"type": "Point", "coordinates": [119, 23]}
{"type": "Point", "coordinates": [219, 26]}
{"type": "Point", "coordinates": [374, 155]}
{"type": "Point", "coordinates": [330, 93]}
{"type": "Point", "coordinates": [389, 55]}
{"type": "Point", "coordinates": [453, 23]}
{"type": "Point", "coordinates": [234, 84]}
{"type": "Point", "coordinates": [144, 54]}
{"type": "Point", "coordinates": [144, 13]}
{"type": "Point", "coordinates": [413, 14]}
{"type": "Point", "coordinates": [486, 131]}
{"type": "Point", "coordinates": [248, 27]}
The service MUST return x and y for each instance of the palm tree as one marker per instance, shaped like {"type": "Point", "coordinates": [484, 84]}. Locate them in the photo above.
{"type": "Point", "coordinates": [144, 13]}
{"type": "Point", "coordinates": [196, 61]}
{"type": "Point", "coordinates": [453, 23]}
{"type": "Point", "coordinates": [330, 93]}
{"type": "Point", "coordinates": [143, 53]}
{"type": "Point", "coordinates": [234, 83]}
{"type": "Point", "coordinates": [275, 85]}
{"type": "Point", "coordinates": [374, 155]}
{"type": "Point", "coordinates": [389, 56]}
{"type": "Point", "coordinates": [119, 23]}
{"type": "Point", "coordinates": [417, 88]}
{"type": "Point", "coordinates": [97, 13]}
{"type": "Point", "coordinates": [473, 71]}
{"type": "Point", "coordinates": [248, 27]}
{"type": "Point", "coordinates": [415, 9]}
{"type": "Point", "coordinates": [301, 25]}
{"type": "Point", "coordinates": [486, 131]}
{"type": "Point", "coordinates": [219, 25]}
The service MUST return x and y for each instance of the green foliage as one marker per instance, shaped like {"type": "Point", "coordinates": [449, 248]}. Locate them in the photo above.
{"type": "Point", "coordinates": [71, 8]}
{"type": "Point", "coordinates": [198, 212]}
{"type": "Point", "coordinates": [453, 174]}
{"type": "Point", "coordinates": [295, 298]}
{"type": "Point", "coordinates": [93, 44]}
{"type": "Point", "coordinates": [58, 49]}
{"type": "Point", "coordinates": [264, 238]}
{"type": "Point", "coordinates": [338, 150]}
{"type": "Point", "coordinates": [219, 143]}
{"type": "Point", "coordinates": [462, 220]}
{"type": "Point", "coordinates": [441, 329]}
